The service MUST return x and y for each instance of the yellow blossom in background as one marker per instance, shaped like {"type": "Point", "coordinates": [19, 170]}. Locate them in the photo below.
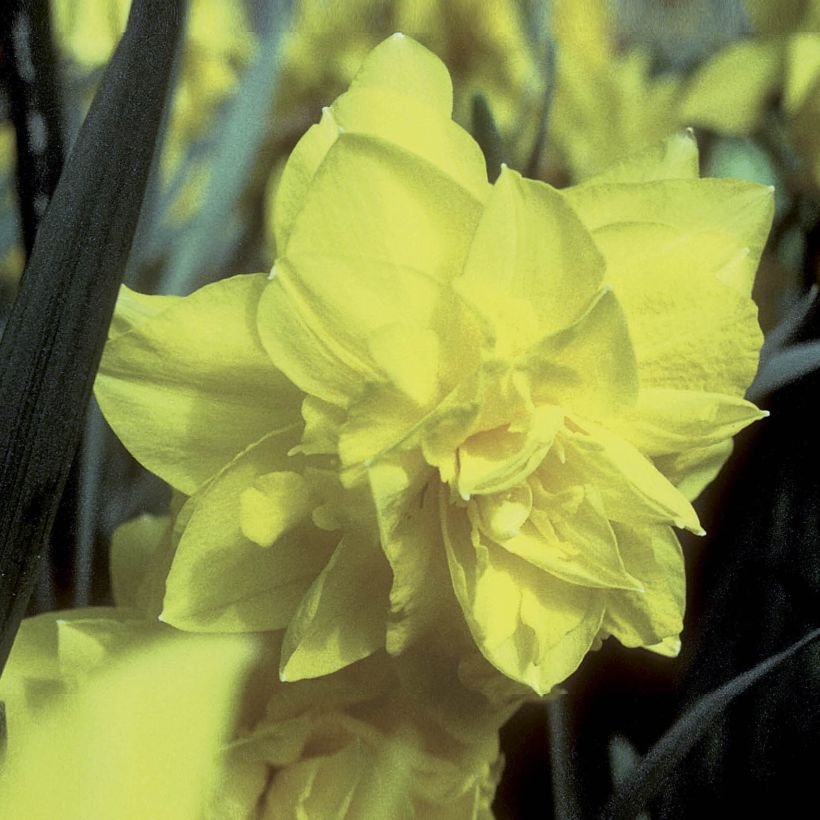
{"type": "Point", "coordinates": [607, 104]}
{"type": "Point", "coordinates": [137, 739]}
{"type": "Point", "coordinates": [11, 260]}
{"type": "Point", "coordinates": [509, 395]}
{"type": "Point", "coordinates": [217, 45]}
{"type": "Point", "coordinates": [161, 724]}
{"type": "Point", "coordinates": [354, 744]}
{"type": "Point", "coordinates": [484, 44]}
{"type": "Point", "coordinates": [732, 91]}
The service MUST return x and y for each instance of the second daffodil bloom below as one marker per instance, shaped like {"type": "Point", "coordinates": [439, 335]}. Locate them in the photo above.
{"type": "Point", "coordinates": [509, 395]}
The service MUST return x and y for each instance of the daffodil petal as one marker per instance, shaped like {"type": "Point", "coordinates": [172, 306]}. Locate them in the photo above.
{"type": "Point", "coordinates": [730, 92]}
{"type": "Point", "coordinates": [666, 421]}
{"type": "Point", "coordinates": [372, 200]}
{"type": "Point", "coordinates": [294, 337]}
{"type": "Point", "coordinates": [322, 423]}
{"type": "Point", "coordinates": [495, 460]}
{"type": "Point", "coordinates": [341, 617]}
{"type": "Point", "coordinates": [220, 581]}
{"type": "Point", "coordinates": [419, 128]}
{"type": "Point", "coordinates": [530, 245]}
{"type": "Point", "coordinates": [400, 65]}
{"type": "Point", "coordinates": [632, 489]}
{"type": "Point", "coordinates": [737, 210]}
{"type": "Point", "coordinates": [689, 329]}
{"type": "Point", "coordinates": [531, 626]}
{"type": "Point", "coordinates": [373, 216]}
{"type": "Point", "coordinates": [133, 308]}
{"type": "Point", "coordinates": [133, 547]}
{"type": "Point", "coordinates": [676, 157]}
{"type": "Point", "coordinates": [693, 470]}
{"type": "Point", "coordinates": [589, 368]}
{"type": "Point", "coordinates": [381, 420]}
{"type": "Point", "coordinates": [408, 356]}
{"type": "Point", "coordinates": [298, 172]}
{"type": "Point", "coordinates": [320, 786]}
{"type": "Point", "coordinates": [654, 614]}
{"type": "Point", "coordinates": [401, 94]}
{"type": "Point", "coordinates": [407, 511]}
{"type": "Point", "coordinates": [274, 504]}
{"type": "Point", "coordinates": [580, 548]}
{"type": "Point", "coordinates": [157, 719]}
{"type": "Point", "coordinates": [189, 387]}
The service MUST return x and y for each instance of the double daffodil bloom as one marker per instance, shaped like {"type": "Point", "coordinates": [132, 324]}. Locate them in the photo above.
{"type": "Point", "coordinates": [134, 719]}
{"type": "Point", "coordinates": [509, 396]}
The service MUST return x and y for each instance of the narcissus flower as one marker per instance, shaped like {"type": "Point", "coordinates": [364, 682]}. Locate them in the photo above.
{"type": "Point", "coordinates": [509, 396]}
{"type": "Point", "coordinates": [164, 724]}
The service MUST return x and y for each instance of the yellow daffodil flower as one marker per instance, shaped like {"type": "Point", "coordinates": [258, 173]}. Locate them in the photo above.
{"type": "Point", "coordinates": [509, 397]}
{"type": "Point", "coordinates": [135, 739]}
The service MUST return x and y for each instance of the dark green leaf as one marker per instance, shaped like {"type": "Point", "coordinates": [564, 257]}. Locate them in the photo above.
{"type": "Point", "coordinates": [647, 780]}
{"type": "Point", "coordinates": [54, 337]}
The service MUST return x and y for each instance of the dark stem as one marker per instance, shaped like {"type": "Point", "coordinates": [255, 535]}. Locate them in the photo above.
{"type": "Point", "coordinates": [562, 768]}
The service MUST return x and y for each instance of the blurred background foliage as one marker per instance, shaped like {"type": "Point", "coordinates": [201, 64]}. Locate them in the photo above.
{"type": "Point", "coordinates": [558, 89]}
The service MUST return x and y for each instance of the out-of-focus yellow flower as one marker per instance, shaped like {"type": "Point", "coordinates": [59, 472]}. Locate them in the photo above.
{"type": "Point", "coordinates": [135, 738]}
{"type": "Point", "coordinates": [484, 44]}
{"type": "Point", "coordinates": [354, 744]}
{"type": "Point", "coordinates": [146, 711]}
{"type": "Point", "coordinates": [511, 394]}
{"type": "Point", "coordinates": [12, 259]}
{"type": "Point", "coordinates": [732, 91]}
{"type": "Point", "coordinates": [607, 105]}
{"type": "Point", "coordinates": [217, 45]}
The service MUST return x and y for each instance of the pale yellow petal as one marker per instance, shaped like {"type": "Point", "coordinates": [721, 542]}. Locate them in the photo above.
{"type": "Point", "coordinates": [190, 386]}
{"type": "Point", "coordinates": [589, 368]}
{"type": "Point", "coordinates": [730, 92]}
{"type": "Point", "coordinates": [531, 626]}
{"type": "Point", "coordinates": [410, 532]}
{"type": "Point", "coordinates": [530, 245]}
{"type": "Point", "coordinates": [133, 546]}
{"type": "Point", "coordinates": [655, 614]}
{"type": "Point", "coordinates": [142, 736]}
{"type": "Point", "coordinates": [220, 581]}
{"type": "Point", "coordinates": [689, 329]}
{"type": "Point", "coordinates": [342, 617]}
{"type": "Point", "coordinates": [633, 491]}
{"type": "Point", "coordinates": [676, 157]}
{"type": "Point", "coordinates": [666, 421]}
{"type": "Point", "coordinates": [273, 505]}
